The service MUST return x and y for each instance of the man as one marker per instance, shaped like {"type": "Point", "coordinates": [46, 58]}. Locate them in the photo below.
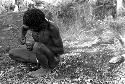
{"type": "Point", "coordinates": [47, 45]}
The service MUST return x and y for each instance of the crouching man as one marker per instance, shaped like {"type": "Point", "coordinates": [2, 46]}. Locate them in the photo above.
{"type": "Point", "coordinates": [48, 44]}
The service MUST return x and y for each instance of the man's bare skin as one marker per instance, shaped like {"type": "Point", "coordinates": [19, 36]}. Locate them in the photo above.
{"type": "Point", "coordinates": [47, 45]}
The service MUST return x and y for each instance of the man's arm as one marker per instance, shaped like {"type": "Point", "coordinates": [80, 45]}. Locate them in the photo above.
{"type": "Point", "coordinates": [58, 49]}
{"type": "Point", "coordinates": [24, 30]}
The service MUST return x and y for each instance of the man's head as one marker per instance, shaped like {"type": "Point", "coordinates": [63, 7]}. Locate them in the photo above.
{"type": "Point", "coordinates": [33, 17]}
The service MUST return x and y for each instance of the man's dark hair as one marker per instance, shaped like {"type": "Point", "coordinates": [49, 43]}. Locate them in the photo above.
{"type": "Point", "coordinates": [33, 17]}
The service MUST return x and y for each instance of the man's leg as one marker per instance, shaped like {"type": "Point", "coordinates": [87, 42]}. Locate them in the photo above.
{"type": "Point", "coordinates": [28, 57]}
{"type": "Point", "coordinates": [22, 55]}
{"type": "Point", "coordinates": [41, 49]}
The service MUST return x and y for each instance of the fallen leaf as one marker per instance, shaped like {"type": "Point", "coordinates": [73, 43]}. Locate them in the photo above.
{"type": "Point", "coordinates": [2, 37]}
{"type": "Point", "coordinates": [6, 29]}
{"type": "Point", "coordinates": [1, 73]}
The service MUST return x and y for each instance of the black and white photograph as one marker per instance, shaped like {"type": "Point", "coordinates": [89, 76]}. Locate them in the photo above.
{"type": "Point", "coordinates": [62, 41]}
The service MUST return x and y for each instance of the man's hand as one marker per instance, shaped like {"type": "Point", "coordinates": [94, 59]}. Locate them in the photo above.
{"type": "Point", "coordinates": [23, 34]}
{"type": "Point", "coordinates": [29, 46]}
{"type": "Point", "coordinates": [22, 40]}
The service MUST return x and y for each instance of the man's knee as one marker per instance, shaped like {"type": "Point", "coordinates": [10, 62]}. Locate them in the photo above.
{"type": "Point", "coordinates": [15, 53]}
{"type": "Point", "coordinates": [11, 51]}
{"type": "Point", "coordinates": [40, 47]}
{"type": "Point", "coordinates": [11, 54]}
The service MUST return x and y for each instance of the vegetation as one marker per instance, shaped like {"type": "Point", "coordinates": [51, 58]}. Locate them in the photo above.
{"type": "Point", "coordinates": [89, 45]}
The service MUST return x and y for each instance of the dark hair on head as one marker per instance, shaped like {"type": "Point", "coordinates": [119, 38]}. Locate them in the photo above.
{"type": "Point", "coordinates": [33, 17]}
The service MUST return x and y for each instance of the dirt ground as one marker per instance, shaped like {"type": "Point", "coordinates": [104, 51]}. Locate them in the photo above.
{"type": "Point", "coordinates": [84, 61]}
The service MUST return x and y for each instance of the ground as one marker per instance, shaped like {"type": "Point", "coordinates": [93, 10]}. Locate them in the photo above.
{"type": "Point", "coordinates": [84, 62]}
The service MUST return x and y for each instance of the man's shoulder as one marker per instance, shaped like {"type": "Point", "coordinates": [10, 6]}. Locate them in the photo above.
{"type": "Point", "coordinates": [53, 26]}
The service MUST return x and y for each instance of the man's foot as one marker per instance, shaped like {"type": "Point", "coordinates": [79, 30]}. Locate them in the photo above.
{"type": "Point", "coordinates": [55, 63]}
{"type": "Point", "coordinates": [39, 72]}
{"type": "Point", "coordinates": [33, 67]}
